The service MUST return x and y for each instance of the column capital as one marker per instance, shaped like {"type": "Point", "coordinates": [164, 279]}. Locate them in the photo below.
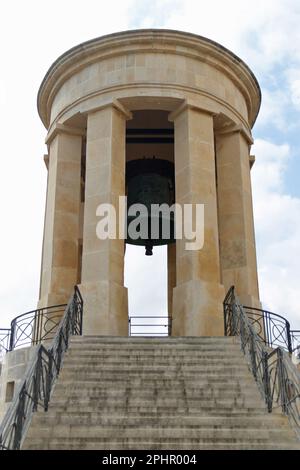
{"type": "Point", "coordinates": [114, 104]}
{"type": "Point", "coordinates": [236, 128]}
{"type": "Point", "coordinates": [59, 128]}
{"type": "Point", "coordinates": [186, 105]}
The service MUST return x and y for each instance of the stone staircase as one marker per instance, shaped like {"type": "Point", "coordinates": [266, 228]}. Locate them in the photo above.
{"type": "Point", "coordinates": [157, 393]}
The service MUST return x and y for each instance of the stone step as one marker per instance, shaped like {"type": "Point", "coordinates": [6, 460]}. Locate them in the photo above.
{"type": "Point", "coordinates": [143, 369]}
{"type": "Point", "coordinates": [88, 418]}
{"type": "Point", "coordinates": [107, 384]}
{"type": "Point", "coordinates": [136, 361]}
{"type": "Point", "coordinates": [195, 386]}
{"type": "Point", "coordinates": [163, 345]}
{"type": "Point", "coordinates": [98, 363]}
{"type": "Point", "coordinates": [155, 354]}
{"type": "Point", "coordinates": [198, 372]}
{"type": "Point", "coordinates": [155, 351]}
{"type": "Point", "coordinates": [156, 343]}
{"type": "Point", "coordinates": [148, 381]}
{"type": "Point", "coordinates": [128, 398]}
{"type": "Point", "coordinates": [153, 392]}
{"type": "Point", "coordinates": [159, 377]}
{"type": "Point", "coordinates": [157, 393]}
{"type": "Point", "coordinates": [226, 410]}
{"type": "Point", "coordinates": [166, 360]}
{"type": "Point", "coordinates": [75, 444]}
{"type": "Point", "coordinates": [159, 361]}
{"type": "Point", "coordinates": [144, 403]}
{"type": "Point", "coordinates": [164, 372]}
{"type": "Point", "coordinates": [87, 339]}
{"type": "Point", "coordinates": [158, 432]}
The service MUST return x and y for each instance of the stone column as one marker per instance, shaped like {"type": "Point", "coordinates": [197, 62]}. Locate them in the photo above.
{"type": "Point", "coordinates": [171, 276]}
{"type": "Point", "coordinates": [102, 281]}
{"type": "Point", "coordinates": [61, 230]}
{"type": "Point", "coordinates": [236, 227]}
{"type": "Point", "coordinates": [198, 296]}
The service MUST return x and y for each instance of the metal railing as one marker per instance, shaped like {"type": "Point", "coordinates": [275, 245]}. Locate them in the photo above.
{"type": "Point", "coordinates": [149, 326]}
{"type": "Point", "coordinates": [273, 329]}
{"type": "Point", "coordinates": [32, 327]}
{"type": "Point", "coordinates": [295, 339]}
{"type": "Point", "coordinates": [277, 377]}
{"type": "Point", "coordinates": [4, 341]}
{"type": "Point", "coordinates": [35, 389]}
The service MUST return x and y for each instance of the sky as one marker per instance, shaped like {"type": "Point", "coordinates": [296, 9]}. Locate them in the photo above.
{"type": "Point", "coordinates": [265, 34]}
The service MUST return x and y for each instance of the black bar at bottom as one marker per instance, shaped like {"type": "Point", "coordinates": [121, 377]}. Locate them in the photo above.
{"type": "Point", "coordinates": [138, 458]}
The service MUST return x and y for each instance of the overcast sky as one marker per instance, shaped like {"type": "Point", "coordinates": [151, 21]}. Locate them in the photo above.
{"type": "Point", "coordinates": [264, 33]}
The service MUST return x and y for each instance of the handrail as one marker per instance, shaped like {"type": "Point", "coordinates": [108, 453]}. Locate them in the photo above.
{"type": "Point", "coordinates": [273, 329]}
{"type": "Point", "coordinates": [4, 341]}
{"type": "Point", "coordinates": [43, 369]}
{"type": "Point", "coordinates": [166, 325]}
{"type": "Point", "coordinates": [33, 327]}
{"type": "Point", "coordinates": [277, 377]}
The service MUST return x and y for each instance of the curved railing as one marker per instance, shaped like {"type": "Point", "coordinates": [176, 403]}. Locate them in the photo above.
{"type": "Point", "coordinates": [273, 329]}
{"type": "Point", "coordinates": [43, 369]}
{"type": "Point", "coordinates": [277, 377]}
{"type": "Point", "coordinates": [31, 328]}
{"type": "Point", "coordinates": [4, 341]}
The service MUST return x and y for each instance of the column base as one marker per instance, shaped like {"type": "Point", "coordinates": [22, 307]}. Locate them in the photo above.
{"type": "Point", "coordinates": [105, 308]}
{"type": "Point", "coordinates": [198, 309]}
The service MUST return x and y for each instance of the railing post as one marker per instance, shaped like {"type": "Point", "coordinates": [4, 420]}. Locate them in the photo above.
{"type": "Point", "coordinates": [266, 380]}
{"type": "Point", "coordinates": [169, 326]}
{"type": "Point", "coordinates": [38, 320]}
{"type": "Point", "coordinates": [49, 379]}
{"type": "Point", "coordinates": [242, 334]}
{"type": "Point", "coordinates": [80, 306]}
{"type": "Point", "coordinates": [68, 327]}
{"type": "Point", "coordinates": [282, 382]}
{"type": "Point", "coordinates": [20, 415]}
{"type": "Point", "coordinates": [78, 311]}
{"type": "Point", "coordinates": [59, 351]}
{"type": "Point", "coordinates": [225, 318]}
{"type": "Point", "coordinates": [12, 335]}
{"type": "Point", "coordinates": [289, 338]}
{"type": "Point", "coordinates": [37, 380]}
{"type": "Point", "coordinates": [252, 355]}
{"type": "Point", "coordinates": [234, 318]}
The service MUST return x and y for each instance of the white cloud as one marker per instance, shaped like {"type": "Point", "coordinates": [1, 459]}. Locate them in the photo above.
{"type": "Point", "coordinates": [273, 110]}
{"type": "Point", "coordinates": [272, 161]}
{"type": "Point", "coordinates": [293, 78]}
{"type": "Point", "coordinates": [267, 31]}
{"type": "Point", "coordinates": [266, 36]}
{"type": "Point", "coordinates": [277, 223]}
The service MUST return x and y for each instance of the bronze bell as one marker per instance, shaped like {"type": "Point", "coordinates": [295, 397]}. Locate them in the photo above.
{"type": "Point", "coordinates": [151, 181]}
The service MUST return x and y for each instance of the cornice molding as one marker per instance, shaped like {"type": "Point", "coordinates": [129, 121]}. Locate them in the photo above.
{"type": "Point", "coordinates": [150, 40]}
